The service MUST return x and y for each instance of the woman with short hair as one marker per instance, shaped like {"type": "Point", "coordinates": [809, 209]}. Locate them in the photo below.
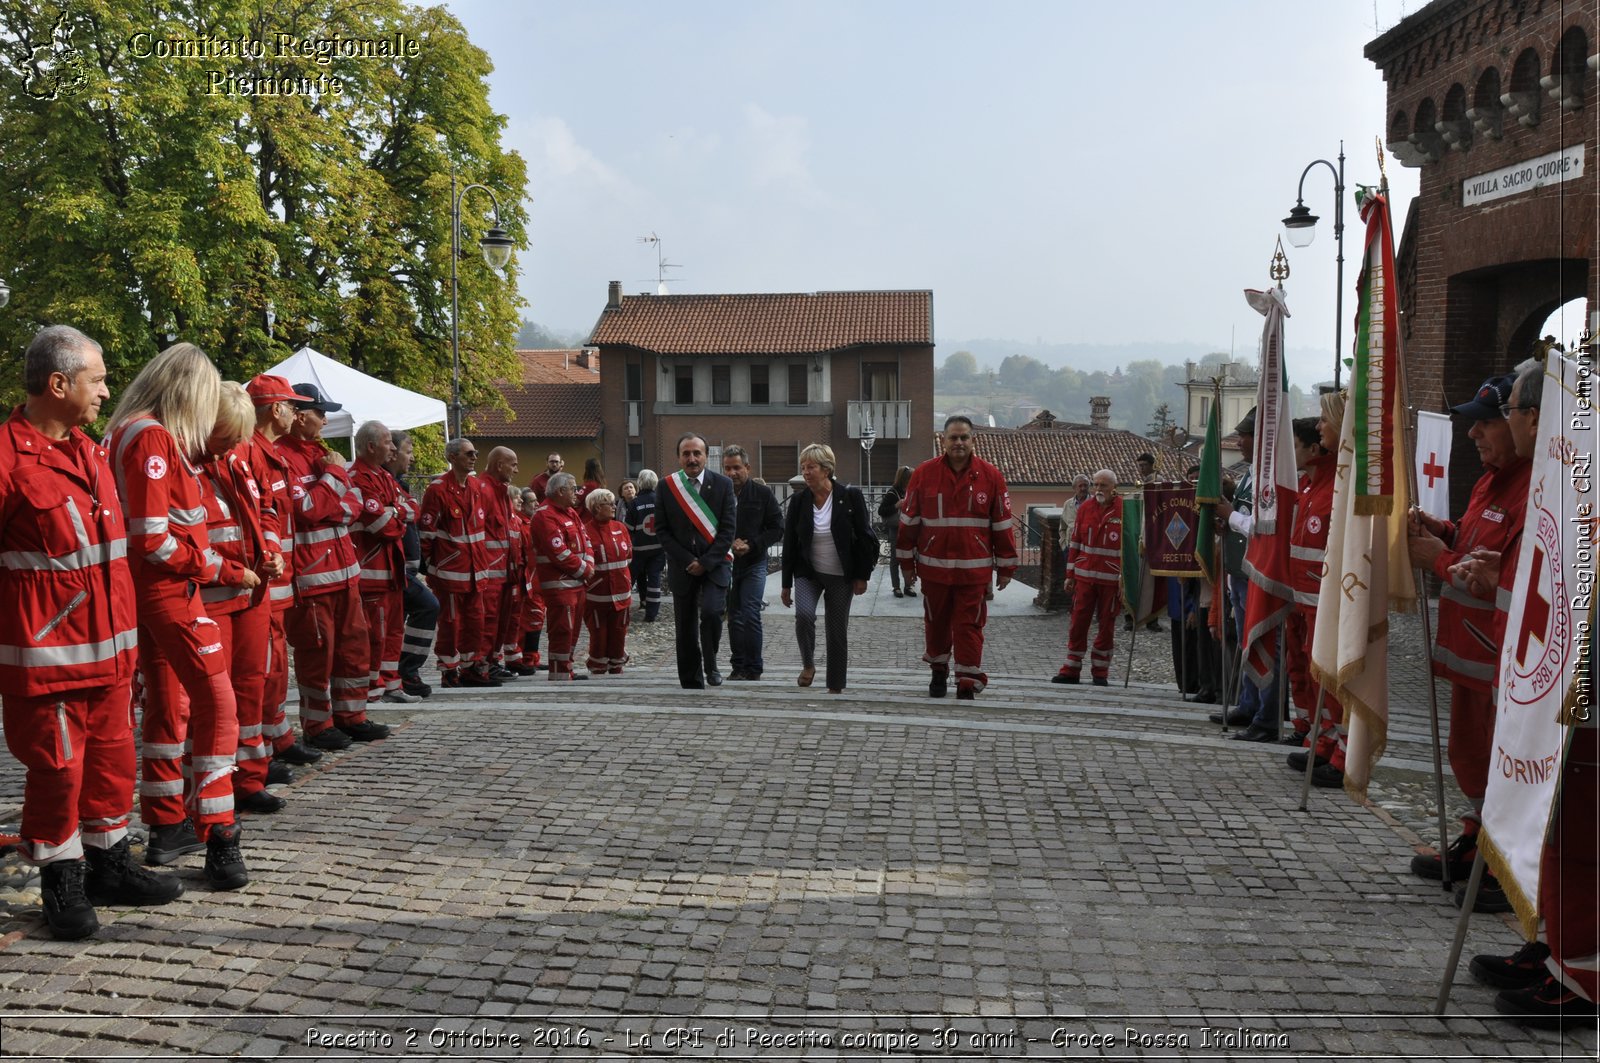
{"type": "Point", "coordinates": [610, 590]}
{"type": "Point", "coordinates": [829, 551]}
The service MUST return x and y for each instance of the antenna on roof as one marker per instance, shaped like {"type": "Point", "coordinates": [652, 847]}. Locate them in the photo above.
{"type": "Point", "coordinates": [662, 265]}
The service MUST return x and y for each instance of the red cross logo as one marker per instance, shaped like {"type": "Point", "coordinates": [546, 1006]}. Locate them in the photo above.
{"type": "Point", "coordinates": [1432, 470]}
{"type": "Point", "coordinates": [1535, 610]}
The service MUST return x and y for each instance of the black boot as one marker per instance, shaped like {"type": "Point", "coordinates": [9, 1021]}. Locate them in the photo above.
{"type": "Point", "coordinates": [114, 879]}
{"type": "Point", "coordinates": [224, 862]}
{"type": "Point", "coordinates": [939, 684]}
{"type": "Point", "coordinates": [66, 906]}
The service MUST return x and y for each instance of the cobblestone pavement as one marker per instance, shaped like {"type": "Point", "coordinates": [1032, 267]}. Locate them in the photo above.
{"type": "Point", "coordinates": [622, 868]}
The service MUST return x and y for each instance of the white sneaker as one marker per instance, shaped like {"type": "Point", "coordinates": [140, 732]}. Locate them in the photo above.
{"type": "Point", "coordinates": [399, 697]}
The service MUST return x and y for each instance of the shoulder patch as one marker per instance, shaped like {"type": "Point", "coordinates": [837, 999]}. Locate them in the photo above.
{"type": "Point", "coordinates": [372, 505]}
{"type": "Point", "coordinates": [156, 467]}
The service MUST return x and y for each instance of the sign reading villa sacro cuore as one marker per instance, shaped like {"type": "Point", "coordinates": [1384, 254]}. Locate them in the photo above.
{"type": "Point", "coordinates": [1551, 169]}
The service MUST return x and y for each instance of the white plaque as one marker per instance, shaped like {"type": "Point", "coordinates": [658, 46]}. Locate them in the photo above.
{"type": "Point", "coordinates": [1551, 169]}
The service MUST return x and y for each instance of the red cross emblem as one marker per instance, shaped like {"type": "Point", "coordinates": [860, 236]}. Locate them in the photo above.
{"type": "Point", "coordinates": [1535, 609]}
{"type": "Point", "coordinates": [1432, 469]}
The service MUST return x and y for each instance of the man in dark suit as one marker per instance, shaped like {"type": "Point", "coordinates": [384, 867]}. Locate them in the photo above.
{"type": "Point", "coordinates": [695, 517]}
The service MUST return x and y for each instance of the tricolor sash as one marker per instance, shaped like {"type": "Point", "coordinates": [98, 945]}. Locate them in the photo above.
{"type": "Point", "coordinates": [694, 506]}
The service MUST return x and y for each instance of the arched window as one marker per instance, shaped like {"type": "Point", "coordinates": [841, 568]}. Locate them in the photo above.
{"type": "Point", "coordinates": [1486, 112]}
{"type": "Point", "coordinates": [1522, 99]}
{"type": "Point", "coordinates": [1566, 83]}
{"type": "Point", "coordinates": [1454, 126]}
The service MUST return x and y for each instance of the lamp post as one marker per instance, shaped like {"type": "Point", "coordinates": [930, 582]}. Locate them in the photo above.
{"type": "Point", "coordinates": [1302, 228]}
{"type": "Point", "coordinates": [869, 436]}
{"type": "Point", "coordinates": [496, 247]}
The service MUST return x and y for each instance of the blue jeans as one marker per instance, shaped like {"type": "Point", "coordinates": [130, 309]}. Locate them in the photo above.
{"type": "Point", "coordinates": [744, 617]}
{"type": "Point", "coordinates": [1261, 702]}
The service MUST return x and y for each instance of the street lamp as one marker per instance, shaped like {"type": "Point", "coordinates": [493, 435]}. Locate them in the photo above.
{"type": "Point", "coordinates": [1302, 229]}
{"type": "Point", "coordinates": [869, 436]}
{"type": "Point", "coordinates": [496, 247]}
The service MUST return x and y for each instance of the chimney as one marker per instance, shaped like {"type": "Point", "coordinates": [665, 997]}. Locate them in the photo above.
{"type": "Point", "coordinates": [583, 358]}
{"type": "Point", "coordinates": [614, 296]}
{"type": "Point", "coordinates": [1100, 411]}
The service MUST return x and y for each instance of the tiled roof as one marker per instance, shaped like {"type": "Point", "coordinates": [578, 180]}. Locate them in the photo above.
{"type": "Point", "coordinates": [556, 399]}
{"type": "Point", "coordinates": [1055, 456]}
{"type": "Point", "coordinates": [761, 323]}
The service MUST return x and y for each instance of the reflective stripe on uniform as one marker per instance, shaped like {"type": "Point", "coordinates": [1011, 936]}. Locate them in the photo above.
{"type": "Point", "coordinates": [66, 656]}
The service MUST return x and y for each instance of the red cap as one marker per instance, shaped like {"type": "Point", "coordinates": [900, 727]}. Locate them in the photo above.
{"type": "Point", "coordinates": [266, 389]}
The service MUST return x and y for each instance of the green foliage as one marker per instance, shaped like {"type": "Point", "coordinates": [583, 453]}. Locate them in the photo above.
{"type": "Point", "coordinates": [1160, 421]}
{"type": "Point", "coordinates": [533, 336]}
{"type": "Point", "coordinates": [959, 368]}
{"type": "Point", "coordinates": [145, 209]}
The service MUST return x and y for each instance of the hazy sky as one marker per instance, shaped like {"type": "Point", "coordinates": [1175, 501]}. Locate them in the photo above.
{"type": "Point", "coordinates": [1062, 171]}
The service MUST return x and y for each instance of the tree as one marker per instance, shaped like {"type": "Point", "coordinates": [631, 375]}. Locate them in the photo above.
{"type": "Point", "coordinates": [533, 336]}
{"type": "Point", "coordinates": [1161, 421]}
{"type": "Point", "coordinates": [959, 369]}
{"type": "Point", "coordinates": [253, 203]}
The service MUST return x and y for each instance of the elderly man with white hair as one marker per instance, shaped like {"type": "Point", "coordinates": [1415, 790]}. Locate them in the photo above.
{"type": "Point", "coordinates": [1094, 577]}
{"type": "Point", "coordinates": [378, 534]}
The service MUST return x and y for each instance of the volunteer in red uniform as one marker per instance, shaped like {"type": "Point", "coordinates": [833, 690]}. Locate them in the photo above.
{"type": "Point", "coordinates": [564, 564]}
{"type": "Point", "coordinates": [1094, 580]}
{"type": "Point", "coordinates": [191, 723]}
{"type": "Point", "coordinates": [553, 464]}
{"type": "Point", "coordinates": [955, 533]}
{"type": "Point", "coordinates": [274, 402]}
{"type": "Point", "coordinates": [377, 534]}
{"type": "Point", "coordinates": [454, 558]}
{"type": "Point", "coordinates": [532, 601]}
{"type": "Point", "coordinates": [243, 614]}
{"type": "Point", "coordinates": [326, 625]}
{"type": "Point", "coordinates": [1465, 650]}
{"type": "Point", "coordinates": [1308, 563]}
{"type": "Point", "coordinates": [67, 640]}
{"type": "Point", "coordinates": [502, 593]}
{"type": "Point", "coordinates": [610, 592]}
{"type": "Point", "coordinates": [1551, 983]}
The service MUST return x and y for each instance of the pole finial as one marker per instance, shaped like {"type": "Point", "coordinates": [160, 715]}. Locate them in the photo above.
{"type": "Point", "coordinates": [1383, 171]}
{"type": "Point", "coordinates": [1279, 270]}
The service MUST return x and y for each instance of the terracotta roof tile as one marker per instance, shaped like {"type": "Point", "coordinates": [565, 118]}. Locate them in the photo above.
{"type": "Point", "coordinates": [556, 399]}
{"type": "Point", "coordinates": [1055, 456]}
{"type": "Point", "coordinates": [761, 323]}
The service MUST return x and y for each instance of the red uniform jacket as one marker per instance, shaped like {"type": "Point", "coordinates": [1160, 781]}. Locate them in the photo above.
{"type": "Point", "coordinates": [562, 554]}
{"type": "Point", "coordinates": [69, 621]}
{"type": "Point", "coordinates": [323, 504]}
{"type": "Point", "coordinates": [277, 517]}
{"type": "Point", "coordinates": [233, 527]}
{"type": "Point", "coordinates": [379, 528]}
{"type": "Point", "coordinates": [611, 587]}
{"type": "Point", "coordinates": [451, 526]}
{"type": "Point", "coordinates": [955, 528]}
{"type": "Point", "coordinates": [1467, 650]}
{"type": "Point", "coordinates": [1308, 538]}
{"type": "Point", "coordinates": [502, 535]}
{"type": "Point", "coordinates": [166, 511]}
{"type": "Point", "coordinates": [1094, 552]}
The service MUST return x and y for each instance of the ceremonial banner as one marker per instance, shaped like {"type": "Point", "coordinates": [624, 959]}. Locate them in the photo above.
{"type": "Point", "coordinates": [1548, 627]}
{"type": "Point", "coordinates": [1369, 566]}
{"type": "Point", "coordinates": [1266, 559]}
{"type": "Point", "coordinates": [1138, 585]}
{"type": "Point", "coordinates": [1171, 521]}
{"type": "Point", "coordinates": [1433, 464]}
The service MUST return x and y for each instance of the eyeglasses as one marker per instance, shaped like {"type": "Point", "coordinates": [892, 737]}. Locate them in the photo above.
{"type": "Point", "coordinates": [1506, 408]}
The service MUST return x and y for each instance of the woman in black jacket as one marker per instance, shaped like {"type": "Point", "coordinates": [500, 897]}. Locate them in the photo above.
{"type": "Point", "coordinates": [828, 553]}
{"type": "Point", "coordinates": [889, 516]}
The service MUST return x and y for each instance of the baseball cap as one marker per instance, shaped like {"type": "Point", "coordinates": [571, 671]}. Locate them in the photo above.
{"type": "Point", "coordinates": [1491, 395]}
{"type": "Point", "coordinates": [266, 389]}
{"type": "Point", "coordinates": [310, 397]}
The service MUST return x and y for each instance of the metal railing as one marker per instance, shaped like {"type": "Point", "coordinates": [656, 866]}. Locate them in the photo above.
{"type": "Point", "coordinates": [889, 419]}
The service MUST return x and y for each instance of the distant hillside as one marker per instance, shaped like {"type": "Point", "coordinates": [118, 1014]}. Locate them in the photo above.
{"type": "Point", "coordinates": [1090, 357]}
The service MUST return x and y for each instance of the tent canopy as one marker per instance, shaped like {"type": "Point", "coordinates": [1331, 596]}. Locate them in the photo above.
{"type": "Point", "coordinates": [364, 398]}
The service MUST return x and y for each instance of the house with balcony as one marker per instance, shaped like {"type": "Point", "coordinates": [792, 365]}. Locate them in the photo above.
{"type": "Point", "coordinates": [772, 372]}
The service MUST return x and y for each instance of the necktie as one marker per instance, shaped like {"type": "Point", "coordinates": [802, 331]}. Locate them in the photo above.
{"type": "Point", "coordinates": [694, 486]}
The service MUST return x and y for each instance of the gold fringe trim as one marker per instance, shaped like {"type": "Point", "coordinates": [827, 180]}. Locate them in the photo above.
{"type": "Point", "coordinates": [1500, 865]}
{"type": "Point", "coordinates": [1374, 506]}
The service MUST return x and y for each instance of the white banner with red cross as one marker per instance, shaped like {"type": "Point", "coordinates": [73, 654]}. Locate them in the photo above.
{"type": "Point", "coordinates": [1433, 464]}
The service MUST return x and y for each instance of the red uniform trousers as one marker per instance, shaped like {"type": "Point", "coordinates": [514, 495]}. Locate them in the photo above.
{"type": "Point", "coordinates": [191, 719]}
{"type": "Point", "coordinates": [563, 616]}
{"type": "Point", "coordinates": [386, 629]}
{"type": "Point", "coordinates": [608, 636]}
{"type": "Point", "coordinates": [77, 748]}
{"type": "Point", "coordinates": [1304, 690]}
{"type": "Point", "coordinates": [508, 629]}
{"type": "Point", "coordinates": [329, 636]}
{"type": "Point", "coordinates": [1569, 872]}
{"type": "Point", "coordinates": [492, 592]}
{"type": "Point", "coordinates": [275, 729]}
{"type": "Point", "coordinates": [459, 636]}
{"type": "Point", "coordinates": [1100, 601]}
{"type": "Point", "coordinates": [1471, 735]}
{"type": "Point", "coordinates": [953, 616]}
{"type": "Point", "coordinates": [532, 626]}
{"type": "Point", "coordinates": [246, 636]}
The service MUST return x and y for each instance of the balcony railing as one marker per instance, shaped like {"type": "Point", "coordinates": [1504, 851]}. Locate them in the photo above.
{"type": "Point", "coordinates": [890, 420]}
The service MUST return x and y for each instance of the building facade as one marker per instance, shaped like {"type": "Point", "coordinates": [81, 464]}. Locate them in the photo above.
{"type": "Point", "coordinates": [554, 408]}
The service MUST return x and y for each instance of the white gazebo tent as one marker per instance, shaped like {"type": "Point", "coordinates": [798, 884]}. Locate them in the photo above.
{"type": "Point", "coordinates": [364, 398]}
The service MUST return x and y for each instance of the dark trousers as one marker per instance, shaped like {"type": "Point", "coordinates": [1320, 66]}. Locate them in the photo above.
{"type": "Point", "coordinates": [835, 593]}
{"type": "Point", "coordinates": [647, 568]}
{"type": "Point", "coordinates": [422, 617]}
{"type": "Point", "coordinates": [697, 618]}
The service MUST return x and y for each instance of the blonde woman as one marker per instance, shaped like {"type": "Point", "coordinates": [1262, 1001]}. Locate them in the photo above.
{"type": "Point", "coordinates": [828, 553]}
{"type": "Point", "coordinates": [157, 441]}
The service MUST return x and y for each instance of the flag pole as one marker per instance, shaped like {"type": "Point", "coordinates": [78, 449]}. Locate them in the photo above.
{"type": "Point", "coordinates": [1128, 672]}
{"type": "Point", "coordinates": [1311, 752]}
{"type": "Point", "coordinates": [1474, 880]}
{"type": "Point", "coordinates": [1218, 586]}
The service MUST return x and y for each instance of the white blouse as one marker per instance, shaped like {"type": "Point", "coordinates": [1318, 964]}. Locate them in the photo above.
{"type": "Point", "coordinates": [824, 551]}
